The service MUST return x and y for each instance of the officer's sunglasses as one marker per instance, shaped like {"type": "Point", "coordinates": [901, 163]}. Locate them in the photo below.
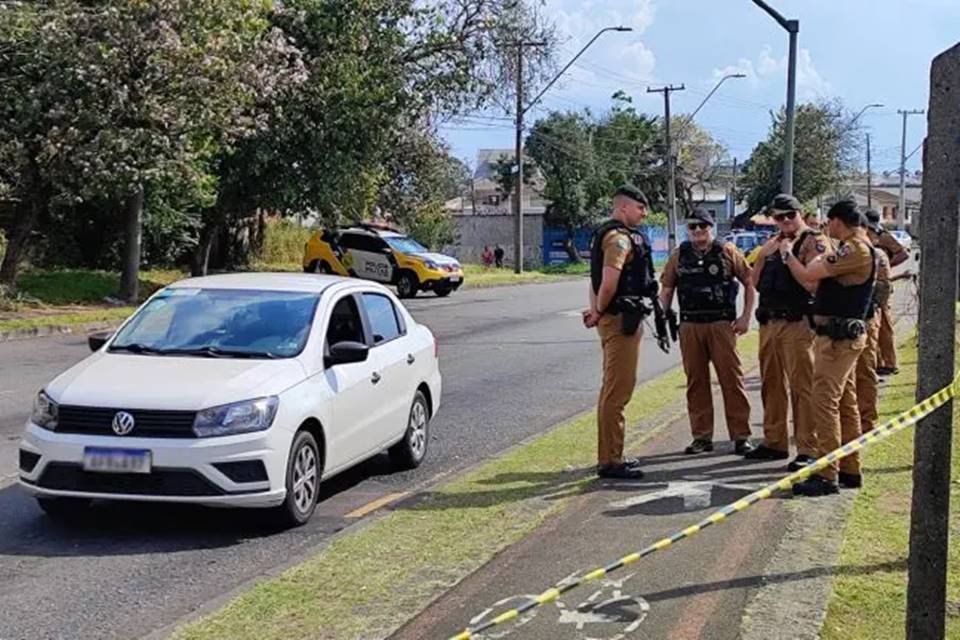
{"type": "Point", "coordinates": [786, 215]}
{"type": "Point", "coordinates": [698, 225]}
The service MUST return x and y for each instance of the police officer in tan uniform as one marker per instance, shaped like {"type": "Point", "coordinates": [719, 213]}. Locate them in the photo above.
{"type": "Point", "coordinates": [884, 240]}
{"type": "Point", "coordinates": [844, 284]}
{"type": "Point", "coordinates": [867, 380]}
{"type": "Point", "coordinates": [786, 339]}
{"type": "Point", "coordinates": [704, 273]}
{"type": "Point", "coordinates": [621, 274]}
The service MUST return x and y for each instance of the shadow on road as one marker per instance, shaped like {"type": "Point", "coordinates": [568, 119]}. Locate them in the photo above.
{"type": "Point", "coordinates": [129, 528]}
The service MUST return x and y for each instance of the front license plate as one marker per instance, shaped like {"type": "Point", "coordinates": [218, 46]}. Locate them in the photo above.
{"type": "Point", "coordinates": [116, 460]}
{"type": "Point", "coordinates": [454, 278]}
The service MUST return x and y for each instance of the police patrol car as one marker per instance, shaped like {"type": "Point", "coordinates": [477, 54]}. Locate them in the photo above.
{"type": "Point", "coordinates": [381, 253]}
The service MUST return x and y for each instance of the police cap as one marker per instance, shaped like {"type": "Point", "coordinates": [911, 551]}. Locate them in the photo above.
{"type": "Point", "coordinates": [846, 211]}
{"type": "Point", "coordinates": [785, 202]}
{"type": "Point", "coordinates": [630, 191]}
{"type": "Point", "coordinates": [700, 215]}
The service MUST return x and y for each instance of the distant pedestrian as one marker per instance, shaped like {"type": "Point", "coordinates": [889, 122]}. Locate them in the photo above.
{"type": "Point", "coordinates": [486, 257]}
{"type": "Point", "coordinates": [498, 256]}
{"type": "Point", "coordinates": [896, 254]}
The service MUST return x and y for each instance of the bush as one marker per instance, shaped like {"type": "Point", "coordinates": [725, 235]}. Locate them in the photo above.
{"type": "Point", "coordinates": [283, 242]}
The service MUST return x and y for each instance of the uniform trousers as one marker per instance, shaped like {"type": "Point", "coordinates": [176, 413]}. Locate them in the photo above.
{"type": "Point", "coordinates": [836, 418]}
{"type": "Point", "coordinates": [620, 356]}
{"type": "Point", "coordinates": [786, 360]}
{"type": "Point", "coordinates": [888, 350]}
{"type": "Point", "coordinates": [867, 380]}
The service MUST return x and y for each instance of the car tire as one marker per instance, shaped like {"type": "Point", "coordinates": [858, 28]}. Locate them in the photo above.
{"type": "Point", "coordinates": [65, 508]}
{"type": "Point", "coordinates": [304, 469]}
{"type": "Point", "coordinates": [407, 284]}
{"type": "Point", "coordinates": [412, 449]}
{"type": "Point", "coordinates": [443, 292]}
{"type": "Point", "coordinates": [311, 268]}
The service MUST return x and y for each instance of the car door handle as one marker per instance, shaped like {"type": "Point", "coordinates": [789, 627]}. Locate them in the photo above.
{"type": "Point", "coordinates": [410, 358]}
{"type": "Point", "coordinates": [375, 378]}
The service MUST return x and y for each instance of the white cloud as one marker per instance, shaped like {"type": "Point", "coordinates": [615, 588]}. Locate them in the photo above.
{"type": "Point", "coordinates": [637, 62]}
{"type": "Point", "coordinates": [810, 84]}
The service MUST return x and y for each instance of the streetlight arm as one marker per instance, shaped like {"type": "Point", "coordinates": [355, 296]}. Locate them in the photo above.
{"type": "Point", "coordinates": [789, 25]}
{"type": "Point", "coordinates": [570, 63]}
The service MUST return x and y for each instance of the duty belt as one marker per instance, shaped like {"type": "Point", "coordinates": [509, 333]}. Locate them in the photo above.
{"type": "Point", "coordinates": [703, 317]}
{"type": "Point", "coordinates": [841, 328]}
{"type": "Point", "coordinates": [765, 315]}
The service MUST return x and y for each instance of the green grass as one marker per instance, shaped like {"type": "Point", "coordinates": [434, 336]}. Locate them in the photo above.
{"type": "Point", "coordinates": [283, 244]}
{"type": "Point", "coordinates": [111, 315]}
{"type": "Point", "coordinates": [478, 276]}
{"type": "Point", "coordinates": [77, 287]}
{"type": "Point", "coordinates": [870, 603]}
{"type": "Point", "coordinates": [369, 582]}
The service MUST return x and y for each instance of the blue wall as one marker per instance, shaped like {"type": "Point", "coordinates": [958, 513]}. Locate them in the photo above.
{"type": "Point", "coordinates": [554, 252]}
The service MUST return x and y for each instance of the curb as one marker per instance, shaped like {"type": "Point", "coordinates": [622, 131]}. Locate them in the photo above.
{"type": "Point", "coordinates": [53, 330]}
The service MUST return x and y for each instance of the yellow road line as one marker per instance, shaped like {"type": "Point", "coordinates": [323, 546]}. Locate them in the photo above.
{"type": "Point", "coordinates": [379, 503]}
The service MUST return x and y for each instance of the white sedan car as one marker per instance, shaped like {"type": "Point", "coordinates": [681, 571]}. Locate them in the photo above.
{"type": "Point", "coordinates": [238, 390]}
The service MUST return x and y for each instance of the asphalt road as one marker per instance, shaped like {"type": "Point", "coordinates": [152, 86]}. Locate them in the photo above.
{"type": "Point", "coordinates": [515, 361]}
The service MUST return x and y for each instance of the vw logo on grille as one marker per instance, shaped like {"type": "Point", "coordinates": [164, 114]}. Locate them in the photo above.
{"type": "Point", "coordinates": [123, 423]}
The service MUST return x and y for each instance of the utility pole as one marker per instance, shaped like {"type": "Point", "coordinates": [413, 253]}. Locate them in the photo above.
{"type": "Point", "coordinates": [930, 507]}
{"type": "Point", "coordinates": [792, 27]}
{"type": "Point", "coordinates": [671, 165]}
{"type": "Point", "coordinates": [869, 177]}
{"type": "Point", "coordinates": [733, 193]}
{"type": "Point", "coordinates": [902, 204]}
{"type": "Point", "coordinates": [518, 148]}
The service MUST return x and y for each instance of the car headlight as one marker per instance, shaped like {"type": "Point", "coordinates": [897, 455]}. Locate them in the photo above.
{"type": "Point", "coordinates": [238, 417]}
{"type": "Point", "coordinates": [45, 412]}
{"type": "Point", "coordinates": [431, 265]}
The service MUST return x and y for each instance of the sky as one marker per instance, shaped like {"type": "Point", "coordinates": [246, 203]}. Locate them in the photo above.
{"type": "Point", "coordinates": [861, 51]}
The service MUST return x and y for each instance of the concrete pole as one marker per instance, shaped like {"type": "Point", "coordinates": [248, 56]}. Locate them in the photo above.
{"type": "Point", "coordinates": [930, 511]}
{"type": "Point", "coordinates": [902, 204]}
{"type": "Point", "coordinates": [787, 182]}
{"type": "Point", "coordinates": [671, 166]}
{"type": "Point", "coordinates": [518, 160]}
{"type": "Point", "coordinates": [869, 177]}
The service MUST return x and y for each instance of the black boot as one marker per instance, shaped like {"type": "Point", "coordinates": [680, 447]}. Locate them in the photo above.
{"type": "Point", "coordinates": [815, 486]}
{"type": "Point", "coordinates": [800, 462]}
{"type": "Point", "coordinates": [766, 453]}
{"type": "Point", "coordinates": [850, 480]}
{"type": "Point", "coordinates": [620, 471]}
{"type": "Point", "coordinates": [699, 446]}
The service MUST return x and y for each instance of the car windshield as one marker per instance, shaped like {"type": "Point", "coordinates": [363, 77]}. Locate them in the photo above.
{"type": "Point", "coordinates": [404, 244]}
{"type": "Point", "coordinates": [220, 323]}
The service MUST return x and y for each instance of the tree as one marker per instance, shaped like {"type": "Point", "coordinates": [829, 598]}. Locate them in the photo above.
{"type": "Point", "coordinates": [699, 161]}
{"type": "Point", "coordinates": [826, 146]}
{"type": "Point", "coordinates": [560, 145]}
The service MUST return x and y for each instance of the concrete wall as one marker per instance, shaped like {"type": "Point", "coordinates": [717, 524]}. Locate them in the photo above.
{"type": "Point", "coordinates": [474, 232]}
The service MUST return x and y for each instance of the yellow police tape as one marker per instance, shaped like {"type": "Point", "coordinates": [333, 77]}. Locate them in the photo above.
{"type": "Point", "coordinates": [899, 423]}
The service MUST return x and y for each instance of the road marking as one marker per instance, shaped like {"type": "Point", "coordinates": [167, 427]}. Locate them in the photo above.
{"type": "Point", "coordinates": [626, 612]}
{"type": "Point", "coordinates": [696, 495]}
{"type": "Point", "coordinates": [376, 504]}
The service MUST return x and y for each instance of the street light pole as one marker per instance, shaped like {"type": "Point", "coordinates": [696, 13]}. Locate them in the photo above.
{"type": "Point", "coordinates": [518, 142]}
{"type": "Point", "coordinates": [869, 177]}
{"type": "Point", "coordinates": [902, 204]}
{"type": "Point", "coordinates": [793, 28]}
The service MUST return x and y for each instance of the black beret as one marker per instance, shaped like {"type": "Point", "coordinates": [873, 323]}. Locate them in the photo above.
{"type": "Point", "coordinates": [785, 202]}
{"type": "Point", "coordinates": [700, 215]}
{"type": "Point", "coordinates": [633, 193]}
{"type": "Point", "coordinates": [846, 211]}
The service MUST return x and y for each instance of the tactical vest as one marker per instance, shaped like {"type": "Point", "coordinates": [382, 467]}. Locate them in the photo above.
{"type": "Point", "coordinates": [848, 302]}
{"type": "Point", "coordinates": [781, 296]}
{"type": "Point", "coordinates": [636, 277]}
{"type": "Point", "coordinates": [706, 286]}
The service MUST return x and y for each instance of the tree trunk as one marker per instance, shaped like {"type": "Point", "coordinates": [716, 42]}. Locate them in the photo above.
{"type": "Point", "coordinates": [201, 255]}
{"type": "Point", "coordinates": [133, 232]}
{"type": "Point", "coordinates": [25, 221]}
{"type": "Point", "coordinates": [571, 247]}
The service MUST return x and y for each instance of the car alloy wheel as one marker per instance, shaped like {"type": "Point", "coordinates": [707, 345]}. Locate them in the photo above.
{"type": "Point", "coordinates": [304, 470]}
{"type": "Point", "coordinates": [412, 449]}
{"type": "Point", "coordinates": [407, 285]}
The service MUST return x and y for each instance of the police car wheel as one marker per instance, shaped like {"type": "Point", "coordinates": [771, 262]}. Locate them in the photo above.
{"type": "Point", "coordinates": [311, 268]}
{"type": "Point", "coordinates": [325, 268]}
{"type": "Point", "coordinates": [407, 285]}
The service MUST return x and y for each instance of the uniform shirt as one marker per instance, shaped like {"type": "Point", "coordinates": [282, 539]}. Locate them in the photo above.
{"type": "Point", "coordinates": [617, 249]}
{"type": "Point", "coordinates": [852, 263]}
{"type": "Point", "coordinates": [885, 241]}
{"type": "Point", "coordinates": [741, 270]}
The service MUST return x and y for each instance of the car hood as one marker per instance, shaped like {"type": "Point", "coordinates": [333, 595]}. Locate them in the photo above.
{"type": "Point", "coordinates": [439, 258]}
{"type": "Point", "coordinates": [171, 382]}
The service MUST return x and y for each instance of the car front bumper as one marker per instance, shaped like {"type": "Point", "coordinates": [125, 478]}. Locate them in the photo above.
{"type": "Point", "coordinates": [452, 282]}
{"type": "Point", "coordinates": [182, 470]}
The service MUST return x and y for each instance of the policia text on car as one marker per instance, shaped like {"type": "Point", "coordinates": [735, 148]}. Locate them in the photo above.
{"type": "Point", "coordinates": [621, 277]}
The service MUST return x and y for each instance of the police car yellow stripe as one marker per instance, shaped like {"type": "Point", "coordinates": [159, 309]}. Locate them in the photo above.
{"type": "Point", "coordinates": [894, 425]}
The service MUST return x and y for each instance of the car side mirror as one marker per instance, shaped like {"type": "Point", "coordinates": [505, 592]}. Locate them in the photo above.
{"type": "Point", "coordinates": [96, 340]}
{"type": "Point", "coordinates": [346, 352]}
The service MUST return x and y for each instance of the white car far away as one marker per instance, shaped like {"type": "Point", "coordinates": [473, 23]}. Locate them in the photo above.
{"type": "Point", "coordinates": [242, 390]}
